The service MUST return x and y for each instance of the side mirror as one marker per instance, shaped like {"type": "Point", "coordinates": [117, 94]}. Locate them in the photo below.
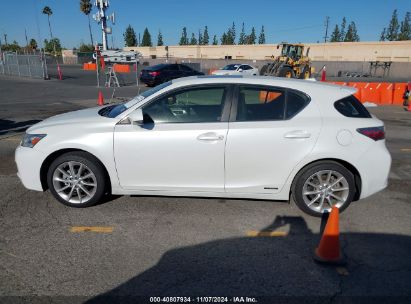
{"type": "Point", "coordinates": [240, 70]}
{"type": "Point", "coordinates": [136, 117]}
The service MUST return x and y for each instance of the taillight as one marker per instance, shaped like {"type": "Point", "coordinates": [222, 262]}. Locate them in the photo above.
{"type": "Point", "coordinates": [375, 133]}
{"type": "Point", "coordinates": [154, 74]}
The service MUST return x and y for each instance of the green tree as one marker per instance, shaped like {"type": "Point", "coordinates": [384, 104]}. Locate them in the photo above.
{"type": "Point", "coordinates": [343, 32]}
{"type": "Point", "coordinates": [11, 47]}
{"type": "Point", "coordinates": [223, 39]}
{"type": "Point", "coordinates": [200, 38]}
{"type": "Point", "coordinates": [160, 39]}
{"type": "Point", "coordinates": [193, 40]}
{"type": "Point", "coordinates": [215, 40]}
{"type": "Point", "coordinates": [352, 34]}
{"type": "Point", "coordinates": [393, 27]}
{"type": "Point", "coordinates": [383, 33]}
{"type": "Point", "coordinates": [405, 29]}
{"type": "Point", "coordinates": [242, 38]}
{"type": "Point", "coordinates": [146, 41]}
{"type": "Point", "coordinates": [252, 37]}
{"type": "Point", "coordinates": [261, 38]}
{"type": "Point", "coordinates": [206, 37]}
{"type": "Point", "coordinates": [53, 46]}
{"type": "Point", "coordinates": [335, 36]}
{"type": "Point", "coordinates": [86, 48]}
{"type": "Point", "coordinates": [85, 7]}
{"type": "Point", "coordinates": [47, 11]}
{"type": "Point", "coordinates": [184, 39]}
{"type": "Point", "coordinates": [33, 44]}
{"type": "Point", "coordinates": [129, 35]}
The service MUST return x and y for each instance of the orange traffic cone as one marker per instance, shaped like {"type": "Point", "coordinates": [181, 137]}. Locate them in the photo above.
{"type": "Point", "coordinates": [100, 100]}
{"type": "Point", "coordinates": [323, 74]}
{"type": "Point", "coordinates": [329, 249]}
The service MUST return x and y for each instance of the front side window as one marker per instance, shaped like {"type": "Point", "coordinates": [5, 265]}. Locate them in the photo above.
{"type": "Point", "coordinates": [188, 106]}
{"type": "Point", "coordinates": [257, 104]}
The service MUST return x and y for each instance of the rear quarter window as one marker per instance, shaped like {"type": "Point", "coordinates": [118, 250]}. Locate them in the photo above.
{"type": "Point", "coordinates": [351, 107]}
{"type": "Point", "coordinates": [296, 102]}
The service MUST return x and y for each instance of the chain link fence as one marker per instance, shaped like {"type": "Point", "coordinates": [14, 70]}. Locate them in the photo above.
{"type": "Point", "coordinates": [22, 65]}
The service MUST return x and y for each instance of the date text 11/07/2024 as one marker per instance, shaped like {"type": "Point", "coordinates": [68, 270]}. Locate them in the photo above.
{"type": "Point", "coordinates": [203, 300]}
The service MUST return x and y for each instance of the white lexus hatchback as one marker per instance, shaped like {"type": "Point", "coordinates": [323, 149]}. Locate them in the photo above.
{"type": "Point", "coordinates": [214, 136]}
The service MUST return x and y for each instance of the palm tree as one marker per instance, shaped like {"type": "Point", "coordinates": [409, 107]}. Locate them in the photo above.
{"type": "Point", "coordinates": [85, 7]}
{"type": "Point", "coordinates": [47, 11]}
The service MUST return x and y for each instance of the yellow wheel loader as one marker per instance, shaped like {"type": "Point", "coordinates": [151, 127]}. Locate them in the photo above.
{"type": "Point", "coordinates": [290, 64]}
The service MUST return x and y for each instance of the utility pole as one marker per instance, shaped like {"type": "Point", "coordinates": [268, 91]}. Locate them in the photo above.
{"type": "Point", "coordinates": [102, 18]}
{"type": "Point", "coordinates": [327, 20]}
{"type": "Point", "coordinates": [5, 39]}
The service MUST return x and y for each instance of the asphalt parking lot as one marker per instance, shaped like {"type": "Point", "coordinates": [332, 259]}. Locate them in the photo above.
{"type": "Point", "coordinates": [162, 246]}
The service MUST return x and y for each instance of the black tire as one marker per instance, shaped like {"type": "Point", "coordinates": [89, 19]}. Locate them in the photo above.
{"type": "Point", "coordinates": [264, 69]}
{"type": "Point", "coordinates": [91, 164]}
{"type": "Point", "coordinates": [286, 71]}
{"type": "Point", "coordinates": [305, 71]}
{"type": "Point", "coordinates": [310, 170]}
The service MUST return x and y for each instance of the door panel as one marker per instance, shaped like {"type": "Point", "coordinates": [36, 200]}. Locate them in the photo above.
{"type": "Point", "coordinates": [170, 157]}
{"type": "Point", "coordinates": [260, 155]}
{"type": "Point", "coordinates": [181, 145]}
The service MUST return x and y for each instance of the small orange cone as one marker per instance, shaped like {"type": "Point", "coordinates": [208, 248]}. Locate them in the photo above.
{"type": "Point", "coordinates": [329, 249]}
{"type": "Point", "coordinates": [100, 100]}
{"type": "Point", "coordinates": [323, 74]}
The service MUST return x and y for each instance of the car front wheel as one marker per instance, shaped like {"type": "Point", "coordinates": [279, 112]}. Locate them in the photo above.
{"type": "Point", "coordinates": [76, 179]}
{"type": "Point", "coordinates": [320, 186]}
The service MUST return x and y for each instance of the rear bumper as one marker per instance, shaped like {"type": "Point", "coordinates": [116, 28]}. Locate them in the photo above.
{"type": "Point", "coordinates": [29, 162]}
{"type": "Point", "coordinates": [374, 167]}
{"type": "Point", "coordinates": [149, 80]}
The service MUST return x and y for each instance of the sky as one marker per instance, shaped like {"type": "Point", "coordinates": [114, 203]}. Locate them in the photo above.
{"type": "Point", "coordinates": [291, 21]}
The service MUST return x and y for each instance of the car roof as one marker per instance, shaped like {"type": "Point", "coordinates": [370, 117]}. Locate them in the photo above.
{"type": "Point", "coordinates": [312, 88]}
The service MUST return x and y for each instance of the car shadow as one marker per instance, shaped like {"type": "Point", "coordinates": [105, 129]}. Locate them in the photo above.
{"type": "Point", "coordinates": [277, 268]}
{"type": "Point", "coordinates": [7, 126]}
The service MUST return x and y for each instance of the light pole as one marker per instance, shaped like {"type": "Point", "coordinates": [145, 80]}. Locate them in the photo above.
{"type": "Point", "coordinates": [101, 18]}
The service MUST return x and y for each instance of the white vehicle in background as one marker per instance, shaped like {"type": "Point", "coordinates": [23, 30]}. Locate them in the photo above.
{"type": "Point", "coordinates": [112, 56]}
{"type": "Point", "coordinates": [214, 136]}
{"type": "Point", "coordinates": [237, 69]}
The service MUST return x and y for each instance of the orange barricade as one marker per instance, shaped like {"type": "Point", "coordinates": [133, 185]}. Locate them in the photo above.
{"type": "Point", "coordinates": [371, 92]}
{"type": "Point", "coordinates": [271, 96]}
{"type": "Point", "coordinates": [398, 94]}
{"type": "Point", "coordinates": [358, 86]}
{"type": "Point", "coordinates": [386, 93]}
{"type": "Point", "coordinates": [89, 66]}
{"type": "Point", "coordinates": [121, 68]}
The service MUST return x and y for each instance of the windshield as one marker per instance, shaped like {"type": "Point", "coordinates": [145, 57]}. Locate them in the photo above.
{"type": "Point", "coordinates": [231, 67]}
{"type": "Point", "coordinates": [115, 110]}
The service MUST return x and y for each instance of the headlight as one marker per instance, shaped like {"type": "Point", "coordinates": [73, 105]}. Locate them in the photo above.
{"type": "Point", "coordinates": [30, 140]}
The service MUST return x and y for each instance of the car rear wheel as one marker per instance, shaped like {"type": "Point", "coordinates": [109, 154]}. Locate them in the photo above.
{"type": "Point", "coordinates": [321, 186]}
{"type": "Point", "coordinates": [76, 179]}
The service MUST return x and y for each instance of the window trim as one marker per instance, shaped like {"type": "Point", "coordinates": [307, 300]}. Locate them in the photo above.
{"type": "Point", "coordinates": [228, 100]}
{"type": "Point", "coordinates": [233, 112]}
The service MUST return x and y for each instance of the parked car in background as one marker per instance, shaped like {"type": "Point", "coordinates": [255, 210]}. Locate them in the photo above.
{"type": "Point", "coordinates": [237, 69]}
{"type": "Point", "coordinates": [232, 136]}
{"type": "Point", "coordinates": [160, 73]}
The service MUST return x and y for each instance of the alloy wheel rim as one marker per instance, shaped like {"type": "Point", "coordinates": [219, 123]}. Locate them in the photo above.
{"type": "Point", "coordinates": [74, 182]}
{"type": "Point", "coordinates": [324, 190]}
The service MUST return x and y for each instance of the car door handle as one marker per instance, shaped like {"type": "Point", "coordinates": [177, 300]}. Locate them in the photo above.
{"type": "Point", "coordinates": [297, 134]}
{"type": "Point", "coordinates": [210, 136]}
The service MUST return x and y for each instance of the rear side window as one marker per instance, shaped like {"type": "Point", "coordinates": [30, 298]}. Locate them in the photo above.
{"type": "Point", "coordinates": [351, 107]}
{"type": "Point", "coordinates": [256, 104]}
{"type": "Point", "coordinates": [266, 103]}
{"type": "Point", "coordinates": [295, 103]}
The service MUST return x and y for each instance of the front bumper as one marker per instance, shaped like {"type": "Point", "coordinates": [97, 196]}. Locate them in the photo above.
{"type": "Point", "coordinates": [29, 163]}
